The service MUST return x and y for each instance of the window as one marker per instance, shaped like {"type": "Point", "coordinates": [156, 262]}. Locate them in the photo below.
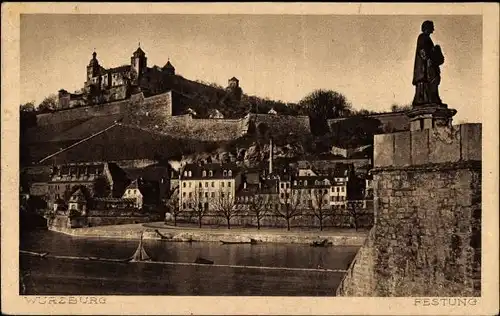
{"type": "Point", "coordinates": [282, 195]}
{"type": "Point", "coordinates": [224, 173]}
{"type": "Point", "coordinates": [230, 173]}
{"type": "Point", "coordinates": [305, 182]}
{"type": "Point", "coordinates": [189, 184]}
{"type": "Point", "coordinates": [222, 184]}
{"type": "Point", "coordinates": [213, 184]}
{"type": "Point", "coordinates": [204, 173]}
{"type": "Point", "coordinates": [222, 194]}
{"type": "Point", "coordinates": [229, 184]}
{"type": "Point", "coordinates": [184, 194]}
{"type": "Point", "coordinates": [282, 185]}
{"type": "Point", "coordinates": [206, 184]}
{"type": "Point", "coordinates": [213, 194]}
{"type": "Point", "coordinates": [206, 194]}
{"type": "Point", "coordinates": [190, 194]}
{"type": "Point", "coordinates": [200, 194]}
{"type": "Point", "coordinates": [342, 189]}
{"type": "Point", "coordinates": [199, 184]}
{"type": "Point", "coordinates": [331, 198]}
{"type": "Point", "coordinates": [183, 205]}
{"type": "Point", "coordinates": [295, 182]}
{"type": "Point", "coordinates": [210, 173]}
{"type": "Point", "coordinates": [185, 173]}
{"type": "Point", "coordinates": [190, 174]}
{"type": "Point", "coordinates": [184, 184]}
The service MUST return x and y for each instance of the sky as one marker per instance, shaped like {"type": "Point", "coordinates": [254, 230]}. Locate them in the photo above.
{"type": "Point", "coordinates": [367, 58]}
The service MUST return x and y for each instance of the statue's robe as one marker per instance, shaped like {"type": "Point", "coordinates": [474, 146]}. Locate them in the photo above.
{"type": "Point", "coordinates": [426, 73]}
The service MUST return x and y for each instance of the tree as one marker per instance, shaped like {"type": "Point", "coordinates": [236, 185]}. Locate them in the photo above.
{"type": "Point", "coordinates": [48, 104]}
{"type": "Point", "coordinates": [173, 205]}
{"type": "Point", "coordinates": [322, 105]}
{"type": "Point", "coordinates": [354, 209]}
{"type": "Point", "coordinates": [398, 108]}
{"type": "Point", "coordinates": [258, 208]}
{"type": "Point", "coordinates": [289, 207]}
{"type": "Point", "coordinates": [198, 206]}
{"type": "Point", "coordinates": [101, 187]}
{"type": "Point", "coordinates": [320, 203]}
{"type": "Point", "coordinates": [27, 107]}
{"type": "Point", "coordinates": [224, 206]}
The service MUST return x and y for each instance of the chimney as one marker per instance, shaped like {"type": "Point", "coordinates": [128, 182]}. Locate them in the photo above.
{"type": "Point", "coordinates": [270, 156]}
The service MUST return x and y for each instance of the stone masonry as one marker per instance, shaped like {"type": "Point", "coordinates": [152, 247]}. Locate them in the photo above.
{"type": "Point", "coordinates": [426, 240]}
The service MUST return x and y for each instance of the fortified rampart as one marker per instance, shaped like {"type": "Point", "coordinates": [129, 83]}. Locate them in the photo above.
{"type": "Point", "coordinates": [390, 122]}
{"type": "Point", "coordinates": [280, 125]}
{"type": "Point", "coordinates": [155, 113]}
{"type": "Point", "coordinates": [426, 240]}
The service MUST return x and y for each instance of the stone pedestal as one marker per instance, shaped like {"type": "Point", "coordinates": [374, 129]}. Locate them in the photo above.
{"type": "Point", "coordinates": [429, 116]}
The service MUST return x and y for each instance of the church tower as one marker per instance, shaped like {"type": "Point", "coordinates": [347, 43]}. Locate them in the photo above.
{"type": "Point", "coordinates": [139, 63]}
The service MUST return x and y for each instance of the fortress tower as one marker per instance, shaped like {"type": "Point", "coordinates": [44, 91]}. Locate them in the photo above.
{"type": "Point", "coordinates": [93, 70]}
{"type": "Point", "coordinates": [139, 64]}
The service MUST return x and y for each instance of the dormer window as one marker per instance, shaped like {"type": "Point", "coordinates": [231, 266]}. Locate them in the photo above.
{"type": "Point", "coordinates": [190, 174]}
{"type": "Point", "coordinates": [295, 182]}
{"type": "Point", "coordinates": [185, 173]}
{"type": "Point", "coordinates": [224, 173]}
{"type": "Point", "coordinates": [204, 173]}
{"type": "Point", "coordinates": [305, 182]}
{"type": "Point", "coordinates": [210, 173]}
{"type": "Point", "coordinates": [230, 173]}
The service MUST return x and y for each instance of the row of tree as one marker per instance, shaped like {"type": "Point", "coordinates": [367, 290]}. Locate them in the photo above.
{"type": "Point", "coordinates": [294, 204]}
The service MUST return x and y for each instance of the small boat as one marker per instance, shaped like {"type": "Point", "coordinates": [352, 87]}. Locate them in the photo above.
{"type": "Point", "coordinates": [201, 260]}
{"type": "Point", "coordinates": [162, 237]}
{"type": "Point", "coordinates": [322, 243]}
{"type": "Point", "coordinates": [140, 254]}
{"type": "Point", "coordinates": [251, 242]}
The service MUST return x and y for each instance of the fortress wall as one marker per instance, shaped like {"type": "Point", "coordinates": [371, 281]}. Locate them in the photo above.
{"type": "Point", "coordinates": [395, 121]}
{"type": "Point", "coordinates": [82, 113]}
{"type": "Point", "coordinates": [282, 124]}
{"type": "Point", "coordinates": [427, 199]}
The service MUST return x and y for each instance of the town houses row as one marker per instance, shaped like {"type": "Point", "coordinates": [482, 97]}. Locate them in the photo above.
{"type": "Point", "coordinates": [79, 187]}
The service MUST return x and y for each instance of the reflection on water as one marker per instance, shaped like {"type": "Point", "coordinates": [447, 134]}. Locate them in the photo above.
{"type": "Point", "coordinates": [74, 277]}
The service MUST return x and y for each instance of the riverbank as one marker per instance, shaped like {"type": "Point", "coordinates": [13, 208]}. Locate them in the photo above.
{"type": "Point", "coordinates": [337, 237]}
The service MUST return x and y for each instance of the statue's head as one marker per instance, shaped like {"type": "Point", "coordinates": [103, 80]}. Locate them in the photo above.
{"type": "Point", "coordinates": [428, 27]}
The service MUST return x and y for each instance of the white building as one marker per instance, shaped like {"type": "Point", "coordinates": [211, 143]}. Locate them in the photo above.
{"type": "Point", "coordinates": [202, 185]}
{"type": "Point", "coordinates": [133, 192]}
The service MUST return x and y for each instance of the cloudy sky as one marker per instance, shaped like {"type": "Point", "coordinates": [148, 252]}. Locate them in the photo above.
{"type": "Point", "coordinates": [367, 58]}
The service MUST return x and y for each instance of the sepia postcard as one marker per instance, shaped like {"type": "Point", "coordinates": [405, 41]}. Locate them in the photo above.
{"type": "Point", "coordinates": [250, 158]}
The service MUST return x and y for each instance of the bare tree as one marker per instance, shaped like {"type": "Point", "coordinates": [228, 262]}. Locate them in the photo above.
{"type": "Point", "coordinates": [354, 208]}
{"type": "Point", "coordinates": [319, 205]}
{"type": "Point", "coordinates": [197, 205]}
{"type": "Point", "coordinates": [257, 207]}
{"type": "Point", "coordinates": [289, 207]}
{"type": "Point", "coordinates": [173, 205]}
{"type": "Point", "coordinates": [224, 206]}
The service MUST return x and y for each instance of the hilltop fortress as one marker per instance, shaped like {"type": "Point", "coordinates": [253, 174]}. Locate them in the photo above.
{"type": "Point", "coordinates": [158, 99]}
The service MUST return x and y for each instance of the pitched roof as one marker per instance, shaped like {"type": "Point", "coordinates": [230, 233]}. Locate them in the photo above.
{"type": "Point", "coordinates": [133, 185]}
{"type": "Point", "coordinates": [78, 196]}
{"type": "Point", "coordinates": [119, 69]}
{"type": "Point", "coordinates": [168, 65]}
{"type": "Point", "coordinates": [217, 171]}
{"type": "Point", "coordinates": [139, 52]}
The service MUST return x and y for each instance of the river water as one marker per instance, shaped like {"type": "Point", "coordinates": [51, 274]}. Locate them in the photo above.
{"type": "Point", "coordinates": [50, 276]}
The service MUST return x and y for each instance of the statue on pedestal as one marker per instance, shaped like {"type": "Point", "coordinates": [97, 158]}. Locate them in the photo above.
{"type": "Point", "coordinates": [426, 72]}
